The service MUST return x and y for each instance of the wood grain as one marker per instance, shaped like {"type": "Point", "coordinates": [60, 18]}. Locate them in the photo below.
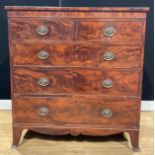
{"type": "Point", "coordinates": [78, 12]}
{"type": "Point", "coordinates": [94, 30]}
{"type": "Point", "coordinates": [80, 111]}
{"type": "Point", "coordinates": [76, 81]}
{"type": "Point", "coordinates": [75, 94]}
{"type": "Point", "coordinates": [77, 55]}
{"type": "Point", "coordinates": [26, 29]}
{"type": "Point", "coordinates": [124, 57]}
{"type": "Point", "coordinates": [59, 54]}
{"type": "Point", "coordinates": [78, 15]}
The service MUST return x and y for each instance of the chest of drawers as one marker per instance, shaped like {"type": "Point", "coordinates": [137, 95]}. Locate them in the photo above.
{"type": "Point", "coordinates": [76, 70]}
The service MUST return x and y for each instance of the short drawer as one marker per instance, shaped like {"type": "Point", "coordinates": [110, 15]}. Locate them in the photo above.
{"type": "Point", "coordinates": [76, 81]}
{"type": "Point", "coordinates": [77, 55]}
{"type": "Point", "coordinates": [41, 29]}
{"type": "Point", "coordinates": [110, 31]}
{"type": "Point", "coordinates": [84, 110]}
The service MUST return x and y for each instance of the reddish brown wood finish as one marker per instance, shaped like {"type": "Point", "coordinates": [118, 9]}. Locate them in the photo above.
{"type": "Point", "coordinates": [77, 55]}
{"type": "Point", "coordinates": [17, 133]}
{"type": "Point", "coordinates": [59, 54]}
{"type": "Point", "coordinates": [125, 31]}
{"type": "Point", "coordinates": [124, 57]}
{"type": "Point", "coordinates": [134, 138]}
{"type": "Point", "coordinates": [78, 12]}
{"type": "Point", "coordinates": [28, 28]}
{"type": "Point", "coordinates": [75, 68]}
{"type": "Point", "coordinates": [78, 15]}
{"type": "Point", "coordinates": [80, 110]}
{"type": "Point", "coordinates": [76, 81]}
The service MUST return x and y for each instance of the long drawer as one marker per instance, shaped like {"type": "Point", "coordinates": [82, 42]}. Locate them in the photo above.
{"type": "Point", "coordinates": [77, 55]}
{"type": "Point", "coordinates": [82, 110]}
{"type": "Point", "coordinates": [76, 81]}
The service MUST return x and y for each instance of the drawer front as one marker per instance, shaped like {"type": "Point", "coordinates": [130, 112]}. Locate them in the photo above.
{"type": "Point", "coordinates": [77, 55]}
{"type": "Point", "coordinates": [112, 32]}
{"type": "Point", "coordinates": [76, 81]}
{"type": "Point", "coordinates": [41, 29]}
{"type": "Point", "coordinates": [94, 110]}
{"type": "Point", "coordinates": [56, 55]}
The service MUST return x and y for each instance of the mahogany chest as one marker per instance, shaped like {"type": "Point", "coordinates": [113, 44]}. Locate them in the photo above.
{"type": "Point", "coordinates": [76, 70]}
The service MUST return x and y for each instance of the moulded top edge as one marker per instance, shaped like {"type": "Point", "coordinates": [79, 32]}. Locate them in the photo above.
{"type": "Point", "coordinates": [95, 9]}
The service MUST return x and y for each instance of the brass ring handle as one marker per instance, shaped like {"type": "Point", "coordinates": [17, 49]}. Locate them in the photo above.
{"type": "Point", "coordinates": [43, 55]}
{"type": "Point", "coordinates": [107, 113]}
{"type": "Point", "coordinates": [43, 111]}
{"type": "Point", "coordinates": [108, 56]}
{"type": "Point", "coordinates": [108, 83]}
{"type": "Point", "coordinates": [42, 30]}
{"type": "Point", "coordinates": [75, 74]}
{"type": "Point", "coordinates": [76, 56]}
{"type": "Point", "coordinates": [109, 31]}
{"type": "Point", "coordinates": [43, 82]}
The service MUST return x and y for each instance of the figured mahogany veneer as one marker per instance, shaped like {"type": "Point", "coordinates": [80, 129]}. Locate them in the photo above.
{"type": "Point", "coordinates": [77, 110]}
{"type": "Point", "coordinates": [76, 70]}
{"type": "Point", "coordinates": [76, 81]}
{"type": "Point", "coordinates": [28, 28]}
{"type": "Point", "coordinates": [77, 55]}
{"type": "Point", "coordinates": [125, 31]}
